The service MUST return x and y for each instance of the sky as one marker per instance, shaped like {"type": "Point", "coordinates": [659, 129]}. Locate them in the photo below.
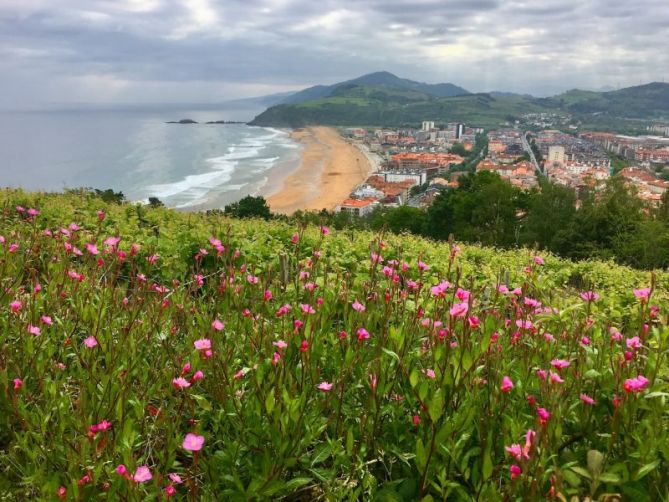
{"type": "Point", "coordinates": [55, 52]}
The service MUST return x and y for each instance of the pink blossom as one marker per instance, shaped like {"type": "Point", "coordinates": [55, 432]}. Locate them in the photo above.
{"type": "Point", "coordinates": [193, 442]}
{"type": "Point", "coordinates": [633, 343]}
{"type": "Point", "coordinates": [555, 378]}
{"type": "Point", "coordinates": [440, 289]}
{"type": "Point", "coordinates": [587, 399]}
{"type": "Point", "coordinates": [459, 309]}
{"type": "Point", "coordinates": [217, 325]}
{"type": "Point", "coordinates": [46, 320]}
{"type": "Point", "coordinates": [325, 386]}
{"type": "Point", "coordinates": [416, 420]}
{"type": "Point", "coordinates": [92, 249]}
{"type": "Point", "coordinates": [423, 266]}
{"type": "Point", "coordinates": [538, 260]}
{"type": "Point", "coordinates": [616, 335]}
{"type": "Point", "coordinates": [276, 357]}
{"type": "Point", "coordinates": [280, 344]}
{"type": "Point", "coordinates": [636, 384]}
{"type": "Point", "coordinates": [325, 230]}
{"type": "Point", "coordinates": [180, 383]}
{"type": "Point", "coordinates": [531, 302]}
{"type": "Point", "coordinates": [307, 309]}
{"type": "Point", "coordinates": [543, 414]}
{"type": "Point", "coordinates": [16, 306]}
{"type": "Point", "coordinates": [560, 364]}
{"type": "Point", "coordinates": [363, 334]}
{"type": "Point", "coordinates": [295, 238]}
{"type": "Point", "coordinates": [589, 296]}
{"type": "Point", "coordinates": [121, 469]}
{"type": "Point", "coordinates": [515, 450]}
{"type": "Point", "coordinates": [462, 294]}
{"type": "Point", "coordinates": [170, 491]}
{"type": "Point", "coordinates": [524, 324]}
{"type": "Point", "coordinates": [502, 289]}
{"type": "Point", "coordinates": [18, 383]}
{"type": "Point", "coordinates": [430, 373]}
{"type": "Point", "coordinates": [252, 279]}
{"type": "Point", "coordinates": [585, 341]}
{"type": "Point", "coordinates": [515, 471]}
{"type": "Point", "coordinates": [142, 474]}
{"type": "Point", "coordinates": [549, 337]}
{"type": "Point", "coordinates": [175, 478]}
{"type": "Point", "coordinates": [517, 291]}
{"type": "Point", "coordinates": [101, 215]}
{"type": "Point", "coordinates": [90, 342]}
{"type": "Point", "coordinates": [473, 321]}
{"type": "Point", "coordinates": [642, 294]}
{"type": "Point", "coordinates": [202, 344]}
{"type": "Point", "coordinates": [34, 330]}
{"type": "Point", "coordinates": [507, 384]}
{"type": "Point", "coordinates": [358, 306]}
{"type": "Point", "coordinates": [541, 374]}
{"type": "Point", "coordinates": [267, 295]}
{"type": "Point", "coordinates": [197, 376]}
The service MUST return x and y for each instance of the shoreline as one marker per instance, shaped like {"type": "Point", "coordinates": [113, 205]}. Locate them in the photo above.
{"type": "Point", "coordinates": [330, 168]}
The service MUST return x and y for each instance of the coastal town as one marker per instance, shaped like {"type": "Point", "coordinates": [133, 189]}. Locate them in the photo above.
{"type": "Point", "coordinates": [411, 166]}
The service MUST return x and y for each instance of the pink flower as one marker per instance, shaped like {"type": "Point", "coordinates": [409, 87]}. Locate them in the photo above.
{"type": "Point", "coordinates": [358, 306]}
{"type": "Point", "coordinates": [363, 334]}
{"type": "Point", "coordinates": [15, 306]}
{"type": "Point", "coordinates": [543, 414]}
{"type": "Point", "coordinates": [423, 266]}
{"type": "Point", "coordinates": [589, 296]}
{"type": "Point", "coordinates": [325, 386]}
{"type": "Point", "coordinates": [46, 320]}
{"type": "Point", "coordinates": [198, 375]}
{"type": "Point", "coordinates": [170, 491]}
{"type": "Point", "coordinates": [193, 442]}
{"type": "Point", "coordinates": [585, 341]}
{"type": "Point", "coordinates": [307, 309]}
{"type": "Point", "coordinates": [92, 249]}
{"type": "Point", "coordinates": [642, 294]}
{"type": "Point", "coordinates": [430, 373]}
{"type": "Point", "coordinates": [538, 260]}
{"type": "Point", "coordinates": [90, 342]}
{"type": "Point", "coordinates": [474, 322]}
{"type": "Point", "coordinates": [459, 309]}
{"type": "Point", "coordinates": [304, 346]}
{"type": "Point", "coordinates": [252, 279]}
{"type": "Point", "coordinates": [101, 215]}
{"type": "Point", "coordinates": [217, 325]}
{"type": "Point", "coordinates": [180, 383]}
{"type": "Point", "coordinates": [295, 238]}
{"type": "Point", "coordinates": [515, 471]}
{"type": "Point", "coordinates": [152, 259]}
{"type": "Point", "coordinates": [267, 295]}
{"type": "Point", "coordinates": [636, 384]}
{"type": "Point", "coordinates": [283, 310]}
{"type": "Point", "coordinates": [121, 469]}
{"type": "Point", "coordinates": [462, 294]}
{"type": "Point", "coordinates": [276, 357]}
{"type": "Point", "coordinates": [502, 289]}
{"type": "Point", "coordinates": [587, 399]}
{"type": "Point", "coordinates": [633, 343]}
{"type": "Point", "coordinates": [440, 289]}
{"type": "Point", "coordinates": [325, 230]}
{"type": "Point", "coordinates": [507, 384]}
{"type": "Point", "coordinates": [202, 344]}
{"type": "Point", "coordinates": [555, 378]}
{"type": "Point", "coordinates": [524, 324]}
{"type": "Point", "coordinates": [18, 383]}
{"type": "Point", "coordinates": [142, 474]}
{"type": "Point", "coordinates": [616, 335]}
{"type": "Point", "coordinates": [280, 344]}
{"type": "Point", "coordinates": [541, 374]}
{"type": "Point", "coordinates": [515, 450]}
{"type": "Point", "coordinates": [175, 478]}
{"type": "Point", "coordinates": [560, 364]}
{"type": "Point", "coordinates": [33, 330]}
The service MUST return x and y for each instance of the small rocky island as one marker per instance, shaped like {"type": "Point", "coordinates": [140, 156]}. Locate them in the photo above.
{"type": "Point", "coordinates": [191, 121]}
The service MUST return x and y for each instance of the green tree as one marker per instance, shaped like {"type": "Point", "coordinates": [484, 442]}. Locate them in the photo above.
{"type": "Point", "coordinates": [550, 213]}
{"type": "Point", "coordinates": [249, 207]}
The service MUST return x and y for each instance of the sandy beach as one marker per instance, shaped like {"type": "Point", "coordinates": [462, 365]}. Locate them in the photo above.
{"type": "Point", "coordinates": [330, 168]}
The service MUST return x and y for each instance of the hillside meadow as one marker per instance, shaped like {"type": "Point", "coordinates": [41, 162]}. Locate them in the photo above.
{"type": "Point", "coordinates": [147, 354]}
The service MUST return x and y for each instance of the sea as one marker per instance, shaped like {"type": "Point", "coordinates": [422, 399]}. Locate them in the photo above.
{"type": "Point", "coordinates": [134, 151]}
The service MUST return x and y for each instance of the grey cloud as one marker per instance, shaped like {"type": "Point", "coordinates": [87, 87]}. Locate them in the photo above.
{"type": "Point", "coordinates": [127, 49]}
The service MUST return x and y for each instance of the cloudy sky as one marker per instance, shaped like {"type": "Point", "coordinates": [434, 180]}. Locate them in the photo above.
{"type": "Point", "coordinates": [138, 51]}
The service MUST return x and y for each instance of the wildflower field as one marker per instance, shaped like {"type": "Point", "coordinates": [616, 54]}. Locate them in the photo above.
{"type": "Point", "coordinates": [147, 354]}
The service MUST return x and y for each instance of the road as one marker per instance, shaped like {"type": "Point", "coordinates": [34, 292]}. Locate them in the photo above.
{"type": "Point", "coordinates": [528, 149]}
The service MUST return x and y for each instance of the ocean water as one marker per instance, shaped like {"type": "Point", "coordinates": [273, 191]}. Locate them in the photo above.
{"type": "Point", "coordinates": [189, 167]}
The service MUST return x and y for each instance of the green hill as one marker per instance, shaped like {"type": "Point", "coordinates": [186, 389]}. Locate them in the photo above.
{"type": "Point", "coordinates": [382, 104]}
{"type": "Point", "coordinates": [148, 354]}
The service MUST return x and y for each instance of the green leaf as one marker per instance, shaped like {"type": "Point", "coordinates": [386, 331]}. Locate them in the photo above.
{"type": "Point", "coordinates": [645, 470]}
{"type": "Point", "coordinates": [269, 402]}
{"type": "Point", "coordinates": [421, 455]}
{"type": "Point", "coordinates": [595, 461]}
{"type": "Point", "coordinates": [413, 378]}
{"type": "Point", "coordinates": [581, 471]}
{"type": "Point", "coordinates": [202, 402]}
{"type": "Point", "coordinates": [436, 405]}
{"type": "Point", "coordinates": [609, 477]}
{"type": "Point", "coordinates": [391, 354]}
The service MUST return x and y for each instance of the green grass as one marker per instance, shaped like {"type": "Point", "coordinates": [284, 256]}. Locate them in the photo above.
{"type": "Point", "coordinates": [299, 403]}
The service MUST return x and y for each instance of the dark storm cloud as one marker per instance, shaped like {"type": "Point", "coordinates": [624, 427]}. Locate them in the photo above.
{"type": "Point", "coordinates": [135, 50]}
